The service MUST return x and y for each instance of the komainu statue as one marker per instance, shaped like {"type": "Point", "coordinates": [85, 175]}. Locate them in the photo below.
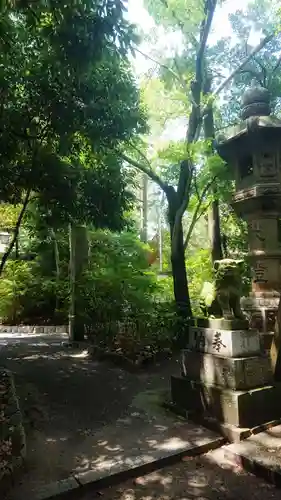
{"type": "Point", "coordinates": [221, 299]}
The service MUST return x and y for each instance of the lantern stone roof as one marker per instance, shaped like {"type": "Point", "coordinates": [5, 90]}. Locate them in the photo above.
{"type": "Point", "coordinates": [255, 102]}
{"type": "Point", "coordinates": [257, 123]}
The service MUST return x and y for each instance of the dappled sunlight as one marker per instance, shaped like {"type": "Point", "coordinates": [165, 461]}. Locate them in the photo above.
{"type": "Point", "coordinates": [161, 428]}
{"type": "Point", "coordinates": [113, 448]}
{"type": "Point", "coordinates": [102, 420]}
{"type": "Point", "coordinates": [274, 432]}
{"type": "Point", "coordinates": [171, 444]}
{"type": "Point", "coordinates": [52, 440]}
{"type": "Point", "coordinates": [83, 354]}
{"type": "Point", "coordinates": [198, 478]}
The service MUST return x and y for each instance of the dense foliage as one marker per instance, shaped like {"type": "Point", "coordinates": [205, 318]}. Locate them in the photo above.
{"type": "Point", "coordinates": [68, 98]}
{"type": "Point", "coordinates": [122, 302]}
{"type": "Point", "coordinates": [70, 116]}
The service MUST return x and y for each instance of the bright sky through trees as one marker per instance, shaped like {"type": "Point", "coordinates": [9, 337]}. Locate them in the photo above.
{"type": "Point", "coordinates": [170, 43]}
{"type": "Point", "coordinates": [221, 27]}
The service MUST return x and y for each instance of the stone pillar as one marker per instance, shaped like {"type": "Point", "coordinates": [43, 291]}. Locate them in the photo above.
{"type": "Point", "coordinates": [265, 258]}
{"type": "Point", "coordinates": [79, 252]}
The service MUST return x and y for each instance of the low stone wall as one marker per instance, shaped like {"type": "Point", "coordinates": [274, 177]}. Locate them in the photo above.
{"type": "Point", "coordinates": [12, 435]}
{"type": "Point", "coordinates": [33, 329]}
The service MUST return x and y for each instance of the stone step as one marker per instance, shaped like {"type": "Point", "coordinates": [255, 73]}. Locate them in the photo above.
{"type": "Point", "coordinates": [259, 454]}
{"type": "Point", "coordinates": [33, 329]}
{"type": "Point", "coordinates": [234, 373]}
{"type": "Point", "coordinates": [245, 409]}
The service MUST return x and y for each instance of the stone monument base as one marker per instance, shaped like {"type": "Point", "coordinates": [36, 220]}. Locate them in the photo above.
{"type": "Point", "coordinates": [236, 373]}
{"type": "Point", "coordinates": [244, 409]}
{"type": "Point", "coordinates": [226, 379]}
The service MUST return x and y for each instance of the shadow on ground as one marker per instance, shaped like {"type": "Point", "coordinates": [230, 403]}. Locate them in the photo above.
{"type": "Point", "coordinates": [208, 477]}
{"type": "Point", "coordinates": [87, 419]}
{"type": "Point", "coordinates": [80, 414]}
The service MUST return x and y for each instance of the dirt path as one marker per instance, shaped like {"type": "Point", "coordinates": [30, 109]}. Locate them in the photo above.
{"type": "Point", "coordinates": [67, 399]}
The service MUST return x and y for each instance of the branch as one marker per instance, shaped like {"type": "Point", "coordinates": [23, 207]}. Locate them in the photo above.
{"type": "Point", "coordinates": [243, 63]}
{"type": "Point", "coordinates": [237, 70]}
{"type": "Point", "coordinates": [161, 65]}
{"type": "Point", "coordinates": [187, 170]}
{"type": "Point", "coordinates": [277, 64]}
{"type": "Point", "coordinates": [263, 68]}
{"type": "Point", "coordinates": [141, 154]}
{"type": "Point", "coordinates": [196, 215]}
{"type": "Point", "coordinates": [145, 169]}
{"type": "Point", "coordinates": [254, 74]}
{"type": "Point", "coordinates": [196, 88]}
{"type": "Point", "coordinates": [210, 7]}
{"type": "Point", "coordinates": [7, 254]}
{"type": "Point", "coordinates": [180, 211]}
{"type": "Point", "coordinates": [196, 188]}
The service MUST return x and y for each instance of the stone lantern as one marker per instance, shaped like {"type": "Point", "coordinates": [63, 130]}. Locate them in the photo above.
{"type": "Point", "coordinates": [253, 151]}
{"type": "Point", "coordinates": [227, 379]}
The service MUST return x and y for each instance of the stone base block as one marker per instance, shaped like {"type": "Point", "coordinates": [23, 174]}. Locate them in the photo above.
{"type": "Point", "coordinates": [233, 373]}
{"type": "Point", "coordinates": [259, 454]}
{"type": "Point", "coordinates": [266, 341]}
{"type": "Point", "coordinates": [221, 323]}
{"type": "Point", "coordinates": [228, 343]}
{"type": "Point", "coordinates": [232, 433]}
{"type": "Point", "coordinates": [240, 408]}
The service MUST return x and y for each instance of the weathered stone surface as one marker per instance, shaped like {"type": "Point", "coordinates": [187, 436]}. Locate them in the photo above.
{"type": "Point", "coordinates": [221, 323]}
{"type": "Point", "coordinates": [261, 311]}
{"type": "Point", "coordinates": [257, 319]}
{"type": "Point", "coordinates": [259, 454]}
{"type": "Point", "coordinates": [266, 341]}
{"type": "Point", "coordinates": [240, 408]}
{"type": "Point", "coordinates": [232, 343]}
{"type": "Point", "coordinates": [234, 373]}
{"type": "Point", "coordinates": [267, 300]}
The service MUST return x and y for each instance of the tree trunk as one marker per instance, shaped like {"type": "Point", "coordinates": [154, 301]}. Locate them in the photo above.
{"type": "Point", "coordinates": [7, 254]}
{"type": "Point", "coordinates": [214, 214]}
{"type": "Point", "coordinates": [57, 263]}
{"type": "Point", "coordinates": [181, 290]}
{"type": "Point", "coordinates": [214, 229]}
{"type": "Point", "coordinates": [144, 209]}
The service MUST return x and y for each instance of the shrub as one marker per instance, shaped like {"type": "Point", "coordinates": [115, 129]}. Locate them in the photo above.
{"type": "Point", "coordinates": [199, 270]}
{"type": "Point", "coordinates": [25, 297]}
{"type": "Point", "coordinates": [118, 277]}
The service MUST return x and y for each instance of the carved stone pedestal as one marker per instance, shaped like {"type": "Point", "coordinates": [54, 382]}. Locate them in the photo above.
{"type": "Point", "coordinates": [226, 377]}
{"type": "Point", "coordinates": [261, 309]}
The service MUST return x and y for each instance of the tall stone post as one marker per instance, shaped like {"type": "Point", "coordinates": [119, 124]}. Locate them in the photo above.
{"type": "Point", "coordinates": [78, 250]}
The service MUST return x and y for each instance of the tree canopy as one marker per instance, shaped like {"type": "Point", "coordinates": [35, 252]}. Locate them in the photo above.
{"type": "Point", "coordinates": [68, 97]}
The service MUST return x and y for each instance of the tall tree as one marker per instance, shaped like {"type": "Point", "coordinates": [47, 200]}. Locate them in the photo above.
{"type": "Point", "coordinates": [67, 98]}
{"type": "Point", "coordinates": [188, 182]}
